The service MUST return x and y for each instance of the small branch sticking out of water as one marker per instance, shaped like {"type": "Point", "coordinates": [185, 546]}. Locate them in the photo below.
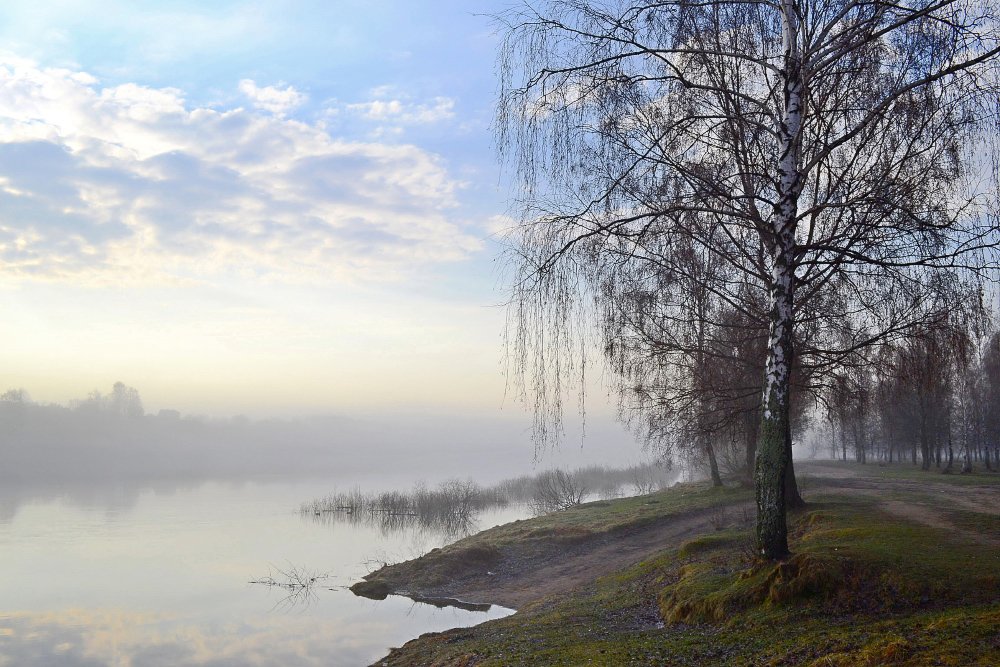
{"type": "Point", "coordinates": [299, 584]}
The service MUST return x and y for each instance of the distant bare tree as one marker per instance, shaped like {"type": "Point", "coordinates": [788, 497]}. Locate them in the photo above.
{"type": "Point", "coordinates": [125, 401]}
{"type": "Point", "coordinates": [927, 369]}
{"type": "Point", "coordinates": [556, 490]}
{"type": "Point", "coordinates": [850, 405]}
{"type": "Point", "coordinates": [828, 157]}
{"type": "Point", "coordinates": [643, 482]}
{"type": "Point", "coordinates": [16, 395]}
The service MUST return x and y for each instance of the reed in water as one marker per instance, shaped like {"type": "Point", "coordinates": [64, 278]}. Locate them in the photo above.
{"type": "Point", "coordinates": [454, 505]}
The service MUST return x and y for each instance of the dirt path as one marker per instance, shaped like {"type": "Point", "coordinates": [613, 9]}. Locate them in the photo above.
{"type": "Point", "coordinates": [929, 501]}
{"type": "Point", "coordinates": [578, 565]}
{"type": "Point", "coordinates": [521, 571]}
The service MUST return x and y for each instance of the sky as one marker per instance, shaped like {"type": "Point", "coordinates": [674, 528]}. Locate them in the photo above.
{"type": "Point", "coordinates": [260, 207]}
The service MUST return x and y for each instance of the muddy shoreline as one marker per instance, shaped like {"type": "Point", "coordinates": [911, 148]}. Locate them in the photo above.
{"type": "Point", "coordinates": [518, 574]}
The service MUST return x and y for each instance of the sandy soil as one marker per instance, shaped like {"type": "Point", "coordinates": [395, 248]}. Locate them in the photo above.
{"type": "Point", "coordinates": [583, 563]}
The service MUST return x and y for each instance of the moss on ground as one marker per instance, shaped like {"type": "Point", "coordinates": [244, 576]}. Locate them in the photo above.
{"type": "Point", "coordinates": [862, 588]}
{"type": "Point", "coordinates": [607, 516]}
{"type": "Point", "coordinates": [848, 558]}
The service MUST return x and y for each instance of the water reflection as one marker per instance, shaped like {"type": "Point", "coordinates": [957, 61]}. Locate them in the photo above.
{"type": "Point", "coordinates": [442, 603]}
{"type": "Point", "coordinates": [134, 576]}
{"type": "Point", "coordinates": [298, 585]}
{"type": "Point", "coordinates": [441, 528]}
{"type": "Point", "coordinates": [112, 498]}
{"type": "Point", "coordinates": [99, 638]}
{"type": "Point", "coordinates": [80, 638]}
{"type": "Point", "coordinates": [446, 513]}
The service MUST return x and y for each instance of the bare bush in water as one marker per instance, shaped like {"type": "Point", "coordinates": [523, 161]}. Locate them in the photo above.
{"type": "Point", "coordinates": [453, 506]}
{"type": "Point", "coordinates": [557, 490]}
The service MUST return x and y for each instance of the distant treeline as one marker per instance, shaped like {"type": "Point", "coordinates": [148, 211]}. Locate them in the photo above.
{"type": "Point", "coordinates": [933, 399]}
{"type": "Point", "coordinates": [928, 396]}
{"type": "Point", "coordinates": [109, 436]}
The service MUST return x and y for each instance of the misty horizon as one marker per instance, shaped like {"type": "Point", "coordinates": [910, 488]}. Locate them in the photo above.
{"type": "Point", "coordinates": [111, 437]}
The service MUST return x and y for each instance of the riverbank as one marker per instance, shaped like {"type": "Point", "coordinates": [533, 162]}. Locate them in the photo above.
{"type": "Point", "coordinates": [890, 567]}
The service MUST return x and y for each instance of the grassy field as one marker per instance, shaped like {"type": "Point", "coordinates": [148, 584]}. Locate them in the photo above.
{"type": "Point", "coordinates": [863, 587]}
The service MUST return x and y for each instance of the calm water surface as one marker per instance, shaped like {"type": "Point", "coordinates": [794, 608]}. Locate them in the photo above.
{"type": "Point", "coordinates": [158, 575]}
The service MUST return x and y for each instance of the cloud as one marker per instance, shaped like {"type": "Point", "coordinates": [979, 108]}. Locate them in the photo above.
{"type": "Point", "coordinates": [131, 184]}
{"type": "Point", "coordinates": [500, 226]}
{"type": "Point", "coordinates": [404, 112]}
{"type": "Point", "coordinates": [278, 101]}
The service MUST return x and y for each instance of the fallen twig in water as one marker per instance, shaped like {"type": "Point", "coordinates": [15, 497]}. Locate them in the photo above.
{"type": "Point", "coordinates": [298, 582]}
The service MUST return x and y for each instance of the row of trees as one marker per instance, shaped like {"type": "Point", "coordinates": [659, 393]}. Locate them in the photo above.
{"type": "Point", "coordinates": [108, 437]}
{"type": "Point", "coordinates": [751, 199]}
{"type": "Point", "coordinates": [122, 401]}
{"type": "Point", "coordinates": [928, 399]}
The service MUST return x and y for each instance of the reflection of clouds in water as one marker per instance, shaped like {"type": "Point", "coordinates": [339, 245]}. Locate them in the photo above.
{"type": "Point", "coordinates": [187, 554]}
{"type": "Point", "coordinates": [83, 639]}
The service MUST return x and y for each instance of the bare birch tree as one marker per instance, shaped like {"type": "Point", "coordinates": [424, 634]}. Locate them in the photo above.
{"type": "Point", "coordinates": [990, 365]}
{"type": "Point", "coordinates": [828, 155]}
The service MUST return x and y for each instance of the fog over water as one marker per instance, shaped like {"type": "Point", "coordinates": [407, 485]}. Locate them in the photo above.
{"type": "Point", "coordinates": [127, 574]}
{"type": "Point", "coordinates": [44, 444]}
{"type": "Point", "coordinates": [130, 538]}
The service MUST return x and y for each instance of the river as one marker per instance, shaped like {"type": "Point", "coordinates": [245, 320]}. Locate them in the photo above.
{"type": "Point", "coordinates": [158, 574]}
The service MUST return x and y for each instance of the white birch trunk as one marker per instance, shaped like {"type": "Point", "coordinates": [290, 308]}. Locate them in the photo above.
{"type": "Point", "coordinates": [774, 444]}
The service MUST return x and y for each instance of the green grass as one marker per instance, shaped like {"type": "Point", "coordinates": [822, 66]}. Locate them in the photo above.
{"type": "Point", "coordinates": [863, 588]}
{"type": "Point", "coordinates": [986, 524]}
{"type": "Point", "coordinates": [605, 516]}
{"type": "Point", "coordinates": [848, 558]}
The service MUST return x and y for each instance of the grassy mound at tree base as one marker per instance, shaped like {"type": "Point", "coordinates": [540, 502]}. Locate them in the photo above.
{"type": "Point", "coordinates": [847, 558]}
